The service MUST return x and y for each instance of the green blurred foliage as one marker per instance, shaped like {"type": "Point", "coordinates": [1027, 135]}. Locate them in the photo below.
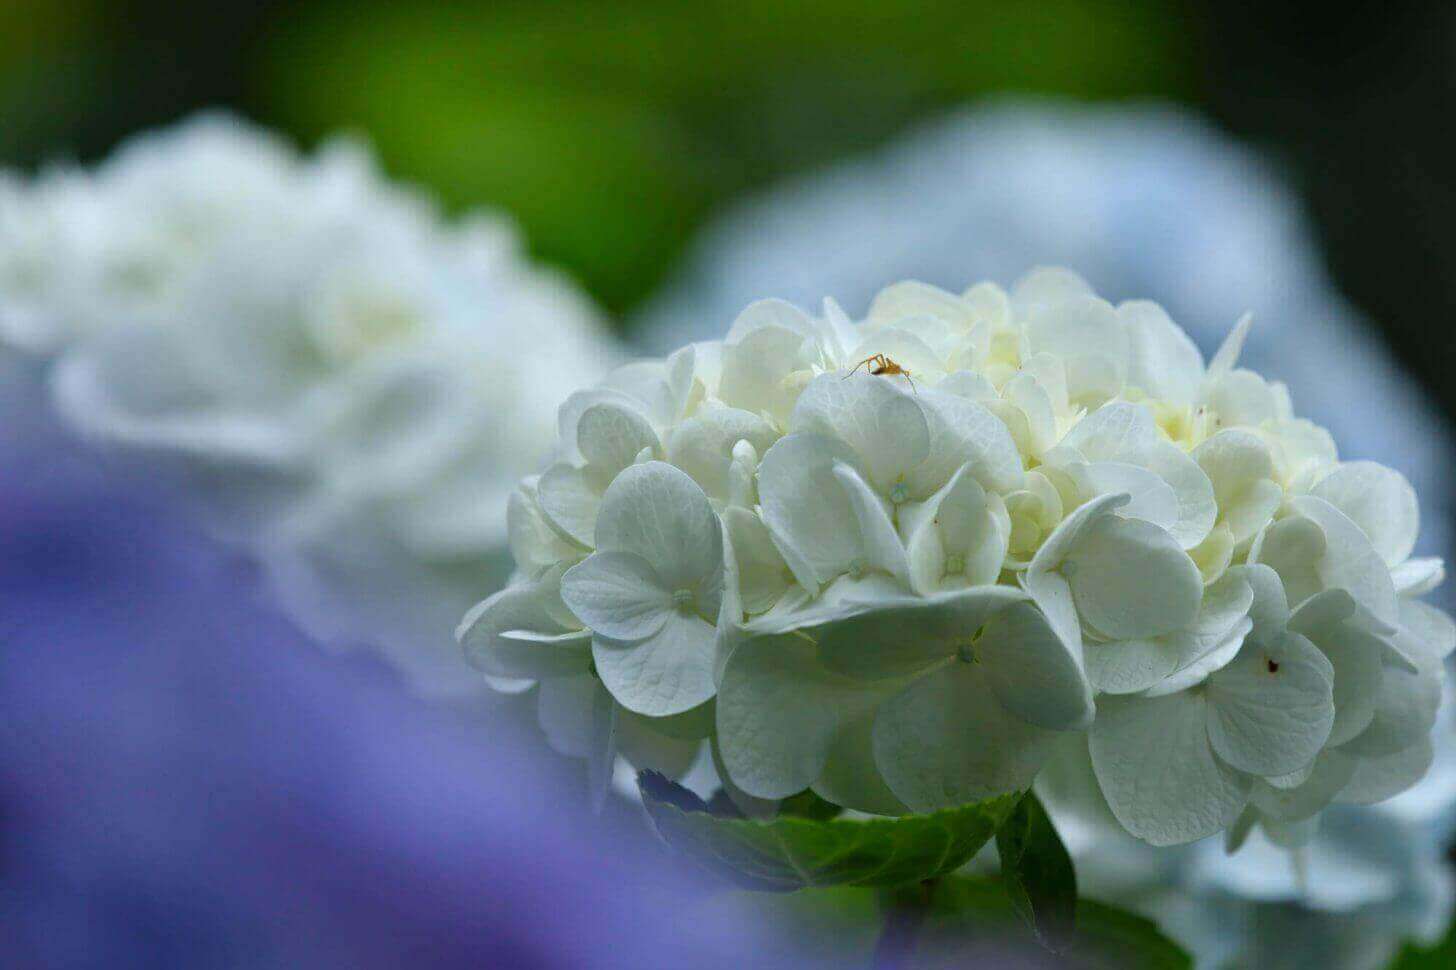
{"type": "Point", "coordinates": [49, 57]}
{"type": "Point", "coordinates": [613, 129]}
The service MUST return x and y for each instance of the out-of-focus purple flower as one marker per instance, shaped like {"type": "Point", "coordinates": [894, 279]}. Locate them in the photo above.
{"type": "Point", "coordinates": [185, 780]}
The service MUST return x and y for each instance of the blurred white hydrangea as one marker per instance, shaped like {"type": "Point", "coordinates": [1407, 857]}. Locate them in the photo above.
{"type": "Point", "coordinates": [903, 555]}
{"type": "Point", "coordinates": [345, 379]}
{"type": "Point", "coordinates": [1144, 200]}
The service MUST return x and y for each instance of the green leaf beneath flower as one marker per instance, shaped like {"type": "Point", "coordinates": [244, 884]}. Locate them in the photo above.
{"type": "Point", "coordinates": [1037, 872]}
{"type": "Point", "coordinates": [793, 852]}
{"type": "Point", "coordinates": [974, 912]}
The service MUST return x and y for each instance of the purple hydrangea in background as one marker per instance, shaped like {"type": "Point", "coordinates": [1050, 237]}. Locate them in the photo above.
{"type": "Point", "coordinates": [186, 781]}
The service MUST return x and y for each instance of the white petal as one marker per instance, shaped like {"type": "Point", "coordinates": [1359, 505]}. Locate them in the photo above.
{"type": "Point", "coordinates": [610, 437]}
{"type": "Point", "coordinates": [1163, 360]}
{"type": "Point", "coordinates": [669, 672]}
{"type": "Point", "coordinates": [1197, 509]}
{"type": "Point", "coordinates": [1272, 708]}
{"type": "Point", "coordinates": [807, 509]}
{"type": "Point", "coordinates": [1350, 561]}
{"type": "Point", "coordinates": [565, 710]}
{"type": "Point", "coordinates": [617, 594]}
{"type": "Point", "coordinates": [1129, 666]}
{"type": "Point", "coordinates": [643, 741]}
{"type": "Point", "coordinates": [1316, 787]}
{"type": "Point", "coordinates": [1328, 620]}
{"type": "Point", "coordinates": [570, 503]}
{"type": "Point", "coordinates": [1033, 672]}
{"type": "Point", "coordinates": [945, 740]}
{"type": "Point", "coordinates": [703, 445]}
{"type": "Point", "coordinates": [891, 638]}
{"type": "Point", "coordinates": [1150, 498]}
{"type": "Point", "coordinates": [1417, 577]}
{"type": "Point", "coordinates": [761, 572]}
{"type": "Point", "coordinates": [884, 427]}
{"type": "Point", "coordinates": [1405, 711]}
{"type": "Point", "coordinates": [754, 372]}
{"type": "Point", "coordinates": [1378, 778]}
{"type": "Point", "coordinates": [776, 716]}
{"type": "Point", "coordinates": [1048, 284]}
{"type": "Point", "coordinates": [911, 298]}
{"type": "Point", "coordinates": [1115, 432]}
{"type": "Point", "coordinates": [774, 313]}
{"type": "Point", "coordinates": [1430, 626]}
{"type": "Point", "coordinates": [534, 544]}
{"type": "Point", "coordinates": [1227, 355]}
{"type": "Point", "coordinates": [850, 777]}
{"type": "Point", "coordinates": [1270, 608]}
{"type": "Point", "coordinates": [1208, 659]}
{"type": "Point", "coordinates": [568, 416]}
{"type": "Point", "coordinates": [1159, 775]}
{"type": "Point", "coordinates": [879, 542]}
{"type": "Point", "coordinates": [1130, 579]}
{"type": "Point", "coordinates": [520, 608]}
{"type": "Point", "coordinates": [660, 514]}
{"type": "Point", "coordinates": [962, 431]}
{"type": "Point", "coordinates": [1087, 334]}
{"type": "Point", "coordinates": [1380, 501]}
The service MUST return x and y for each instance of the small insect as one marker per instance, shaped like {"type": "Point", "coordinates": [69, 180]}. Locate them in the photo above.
{"type": "Point", "coordinates": [881, 366]}
{"type": "Point", "coordinates": [1273, 666]}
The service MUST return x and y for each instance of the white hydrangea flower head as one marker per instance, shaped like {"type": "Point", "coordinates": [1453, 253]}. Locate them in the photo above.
{"type": "Point", "coordinates": [333, 369]}
{"type": "Point", "coordinates": [1145, 200]}
{"type": "Point", "coordinates": [903, 555]}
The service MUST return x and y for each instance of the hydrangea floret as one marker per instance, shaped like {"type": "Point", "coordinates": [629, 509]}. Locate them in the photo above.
{"type": "Point", "coordinates": [895, 560]}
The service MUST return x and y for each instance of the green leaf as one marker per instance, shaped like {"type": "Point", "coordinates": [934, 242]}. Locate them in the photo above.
{"type": "Point", "coordinates": [1037, 872]}
{"type": "Point", "coordinates": [789, 853]}
{"type": "Point", "coordinates": [1114, 938]}
{"type": "Point", "coordinates": [806, 804]}
{"type": "Point", "coordinates": [967, 912]}
{"type": "Point", "coordinates": [1439, 957]}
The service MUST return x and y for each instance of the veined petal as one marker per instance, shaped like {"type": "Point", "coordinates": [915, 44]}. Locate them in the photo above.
{"type": "Point", "coordinates": [1129, 666]}
{"type": "Point", "coordinates": [805, 507]}
{"type": "Point", "coordinates": [1115, 432]}
{"type": "Point", "coordinates": [703, 445]}
{"type": "Point", "coordinates": [884, 427]}
{"type": "Point", "coordinates": [1350, 561]}
{"type": "Point", "coordinates": [1328, 620]}
{"type": "Point", "coordinates": [755, 368]}
{"type": "Point", "coordinates": [482, 634]}
{"type": "Point", "coordinates": [666, 673]}
{"type": "Point", "coordinates": [963, 431]}
{"type": "Point", "coordinates": [1163, 361]}
{"type": "Point", "coordinates": [1405, 711]}
{"type": "Point", "coordinates": [879, 543]}
{"type": "Point", "coordinates": [1271, 710]}
{"type": "Point", "coordinates": [777, 716]}
{"type": "Point", "coordinates": [1197, 509]}
{"type": "Point", "coordinates": [891, 638]}
{"type": "Point", "coordinates": [1316, 787]}
{"type": "Point", "coordinates": [570, 503]}
{"type": "Point", "coordinates": [1380, 501]}
{"type": "Point", "coordinates": [945, 740]}
{"type": "Point", "coordinates": [1159, 775]}
{"type": "Point", "coordinates": [1377, 778]}
{"type": "Point", "coordinates": [610, 437]}
{"type": "Point", "coordinates": [1131, 580]}
{"type": "Point", "coordinates": [617, 594]}
{"type": "Point", "coordinates": [1417, 577]}
{"type": "Point", "coordinates": [1032, 671]}
{"type": "Point", "coordinates": [657, 512]}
